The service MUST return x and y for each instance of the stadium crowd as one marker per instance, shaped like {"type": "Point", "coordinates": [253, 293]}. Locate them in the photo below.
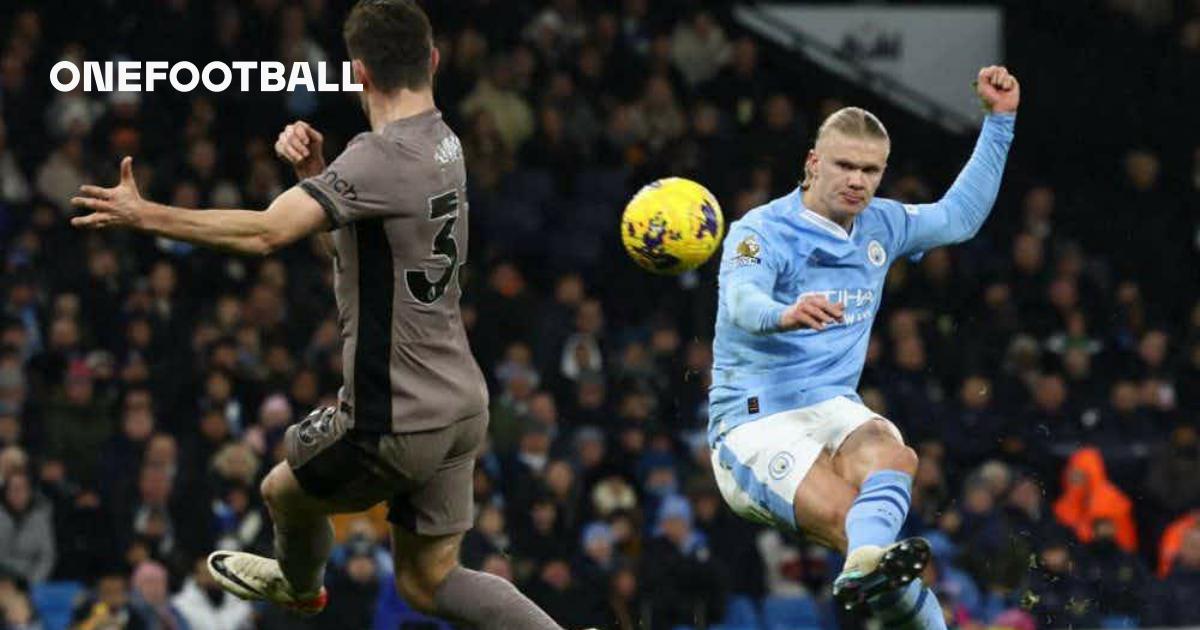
{"type": "Point", "coordinates": [1048, 372]}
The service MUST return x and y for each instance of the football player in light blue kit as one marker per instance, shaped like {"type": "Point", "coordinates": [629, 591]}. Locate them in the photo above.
{"type": "Point", "coordinates": [800, 283]}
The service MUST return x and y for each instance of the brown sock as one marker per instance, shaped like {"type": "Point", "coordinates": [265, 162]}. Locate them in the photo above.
{"type": "Point", "coordinates": [488, 602]}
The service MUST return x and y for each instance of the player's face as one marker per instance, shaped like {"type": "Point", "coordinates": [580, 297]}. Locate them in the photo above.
{"type": "Point", "coordinates": [846, 171]}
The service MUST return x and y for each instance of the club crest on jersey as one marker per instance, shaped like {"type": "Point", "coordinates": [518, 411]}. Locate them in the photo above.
{"type": "Point", "coordinates": [781, 465]}
{"type": "Point", "coordinates": [876, 254]}
{"type": "Point", "coordinates": [317, 425]}
{"type": "Point", "coordinates": [747, 251]}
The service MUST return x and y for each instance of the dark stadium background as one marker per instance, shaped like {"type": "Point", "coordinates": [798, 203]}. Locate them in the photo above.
{"type": "Point", "coordinates": [144, 385]}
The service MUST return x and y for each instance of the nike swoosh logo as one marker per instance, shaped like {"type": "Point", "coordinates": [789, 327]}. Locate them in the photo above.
{"type": "Point", "coordinates": [218, 563]}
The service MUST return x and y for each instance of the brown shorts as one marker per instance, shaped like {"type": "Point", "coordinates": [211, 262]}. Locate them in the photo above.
{"type": "Point", "coordinates": [426, 477]}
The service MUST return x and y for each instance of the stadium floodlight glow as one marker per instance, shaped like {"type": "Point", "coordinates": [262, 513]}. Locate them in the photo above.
{"type": "Point", "coordinates": [217, 76]}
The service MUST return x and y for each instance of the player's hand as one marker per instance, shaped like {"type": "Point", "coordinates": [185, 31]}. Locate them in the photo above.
{"type": "Point", "coordinates": [302, 146]}
{"type": "Point", "coordinates": [119, 206]}
{"type": "Point", "coordinates": [811, 311]}
{"type": "Point", "coordinates": [998, 90]}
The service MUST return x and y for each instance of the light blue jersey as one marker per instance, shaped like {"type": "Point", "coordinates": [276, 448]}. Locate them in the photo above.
{"type": "Point", "coordinates": [782, 250]}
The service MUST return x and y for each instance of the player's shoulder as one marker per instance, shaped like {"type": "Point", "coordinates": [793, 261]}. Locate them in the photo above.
{"type": "Point", "coordinates": [883, 207]}
{"type": "Point", "coordinates": [364, 148]}
{"type": "Point", "coordinates": [769, 218]}
{"type": "Point", "coordinates": [889, 212]}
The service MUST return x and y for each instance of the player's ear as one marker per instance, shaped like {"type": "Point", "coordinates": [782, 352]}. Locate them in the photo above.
{"type": "Point", "coordinates": [810, 166]}
{"type": "Point", "coordinates": [435, 58]}
{"type": "Point", "coordinates": [362, 76]}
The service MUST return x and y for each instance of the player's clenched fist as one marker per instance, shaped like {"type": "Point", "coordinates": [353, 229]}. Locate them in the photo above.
{"type": "Point", "coordinates": [301, 146]}
{"type": "Point", "coordinates": [998, 90]}
{"type": "Point", "coordinates": [811, 311]}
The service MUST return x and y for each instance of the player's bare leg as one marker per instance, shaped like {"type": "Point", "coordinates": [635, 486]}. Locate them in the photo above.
{"type": "Point", "coordinates": [880, 571]}
{"type": "Point", "coordinates": [303, 542]}
{"type": "Point", "coordinates": [430, 579]}
{"type": "Point", "coordinates": [822, 500]}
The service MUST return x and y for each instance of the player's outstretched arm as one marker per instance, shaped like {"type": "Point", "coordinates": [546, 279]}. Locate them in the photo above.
{"type": "Point", "coordinates": [292, 215]}
{"type": "Point", "coordinates": [959, 214]}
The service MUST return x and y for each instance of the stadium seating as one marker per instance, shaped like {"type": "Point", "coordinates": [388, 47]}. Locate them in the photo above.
{"type": "Point", "coordinates": [741, 611]}
{"type": "Point", "coordinates": [54, 601]}
{"type": "Point", "coordinates": [790, 613]}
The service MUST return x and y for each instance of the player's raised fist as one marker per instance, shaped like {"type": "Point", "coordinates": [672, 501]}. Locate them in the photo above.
{"type": "Point", "coordinates": [301, 146]}
{"type": "Point", "coordinates": [998, 90]}
{"type": "Point", "coordinates": [119, 206]}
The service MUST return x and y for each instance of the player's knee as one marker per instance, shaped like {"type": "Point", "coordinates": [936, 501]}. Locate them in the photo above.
{"type": "Point", "coordinates": [276, 487]}
{"type": "Point", "coordinates": [270, 489]}
{"type": "Point", "coordinates": [904, 459]}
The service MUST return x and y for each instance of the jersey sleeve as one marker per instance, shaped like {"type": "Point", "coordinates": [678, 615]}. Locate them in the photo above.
{"type": "Point", "coordinates": [959, 214]}
{"type": "Point", "coordinates": [750, 265]}
{"type": "Point", "coordinates": [353, 187]}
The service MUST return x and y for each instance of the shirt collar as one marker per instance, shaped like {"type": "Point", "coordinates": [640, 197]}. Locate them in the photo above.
{"type": "Point", "coordinates": [822, 222]}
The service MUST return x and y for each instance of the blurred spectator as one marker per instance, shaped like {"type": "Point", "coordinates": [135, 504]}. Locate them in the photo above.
{"type": "Point", "coordinates": [1174, 601]}
{"type": "Point", "coordinates": [204, 605]}
{"type": "Point", "coordinates": [1060, 596]}
{"type": "Point", "coordinates": [686, 583]}
{"type": "Point", "coordinates": [493, 93]}
{"type": "Point", "coordinates": [357, 581]}
{"type": "Point", "coordinates": [108, 606]}
{"type": "Point", "coordinates": [1088, 496]}
{"type": "Point", "coordinates": [1117, 578]}
{"type": "Point", "coordinates": [1173, 482]}
{"type": "Point", "coordinates": [27, 546]}
{"type": "Point", "coordinates": [14, 188]}
{"type": "Point", "coordinates": [699, 48]}
{"type": "Point", "coordinates": [556, 590]}
{"type": "Point", "coordinates": [151, 598]}
{"type": "Point", "coordinates": [78, 420]}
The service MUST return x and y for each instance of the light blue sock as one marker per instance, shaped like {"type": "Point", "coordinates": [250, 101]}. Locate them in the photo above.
{"type": "Point", "coordinates": [913, 607]}
{"type": "Point", "coordinates": [878, 513]}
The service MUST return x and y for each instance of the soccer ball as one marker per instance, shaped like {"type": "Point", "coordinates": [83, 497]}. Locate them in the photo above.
{"type": "Point", "coordinates": [672, 225]}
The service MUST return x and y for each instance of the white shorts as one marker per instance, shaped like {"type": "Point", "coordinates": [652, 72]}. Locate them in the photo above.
{"type": "Point", "coordinates": [760, 464]}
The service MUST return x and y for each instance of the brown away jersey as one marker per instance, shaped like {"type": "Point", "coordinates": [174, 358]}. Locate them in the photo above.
{"type": "Point", "coordinates": [397, 201]}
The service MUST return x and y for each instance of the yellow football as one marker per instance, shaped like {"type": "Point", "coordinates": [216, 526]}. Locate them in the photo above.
{"type": "Point", "coordinates": [672, 225]}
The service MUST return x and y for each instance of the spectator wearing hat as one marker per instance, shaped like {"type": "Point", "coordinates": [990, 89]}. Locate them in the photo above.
{"type": "Point", "coordinates": [78, 421]}
{"type": "Point", "coordinates": [687, 585]}
{"type": "Point", "coordinates": [1173, 602]}
{"type": "Point", "coordinates": [358, 582]}
{"type": "Point", "coordinates": [1088, 496]}
{"type": "Point", "coordinates": [594, 567]}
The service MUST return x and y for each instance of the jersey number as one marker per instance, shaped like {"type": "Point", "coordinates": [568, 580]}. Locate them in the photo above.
{"type": "Point", "coordinates": [424, 290]}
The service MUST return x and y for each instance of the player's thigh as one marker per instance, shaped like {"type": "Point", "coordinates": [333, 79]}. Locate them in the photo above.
{"type": "Point", "coordinates": [834, 422]}
{"type": "Point", "coordinates": [328, 468]}
{"type": "Point", "coordinates": [441, 502]}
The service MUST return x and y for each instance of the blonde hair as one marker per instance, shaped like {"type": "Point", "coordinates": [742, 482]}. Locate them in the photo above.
{"type": "Point", "coordinates": [855, 122]}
